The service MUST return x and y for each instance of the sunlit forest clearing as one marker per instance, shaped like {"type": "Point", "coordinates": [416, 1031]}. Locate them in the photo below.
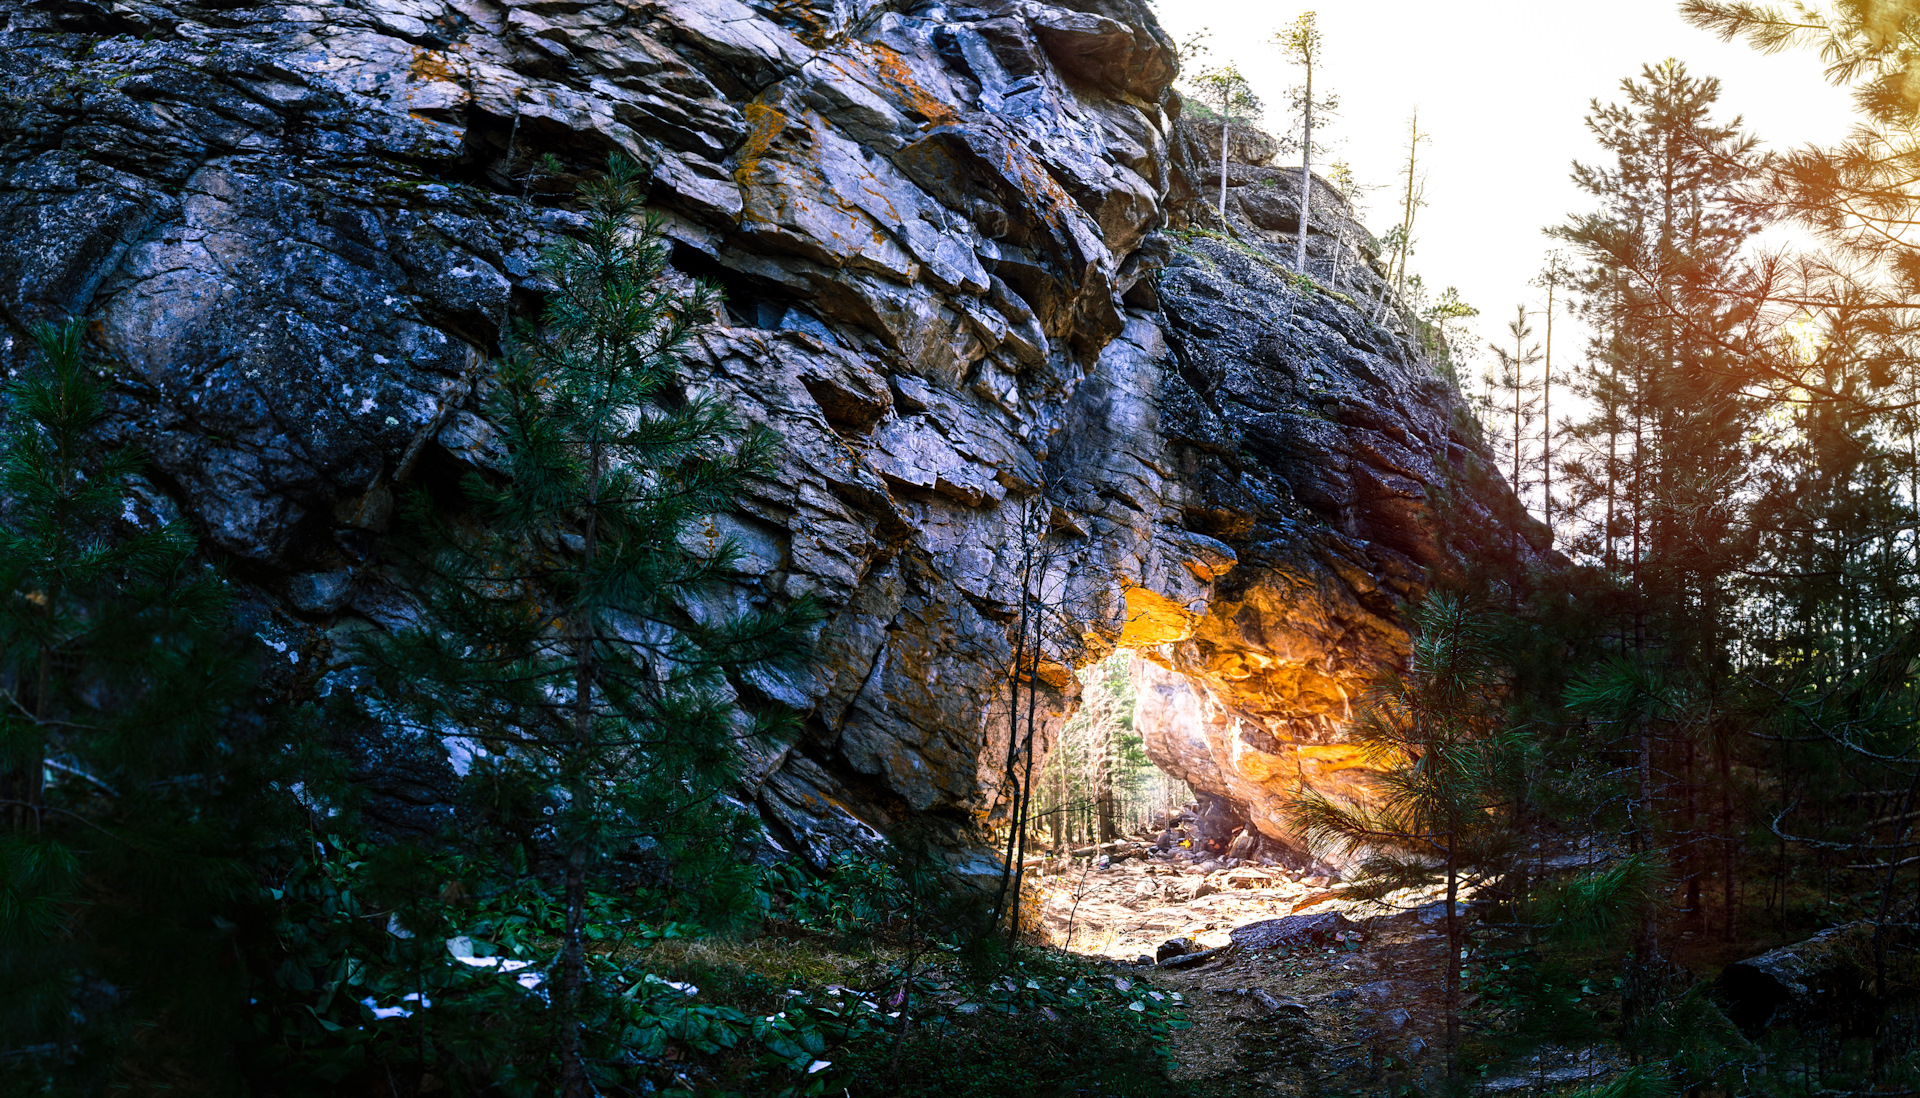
{"type": "Point", "coordinates": [886, 548]}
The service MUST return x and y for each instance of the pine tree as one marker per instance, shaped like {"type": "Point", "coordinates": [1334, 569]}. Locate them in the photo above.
{"type": "Point", "coordinates": [1440, 811]}
{"type": "Point", "coordinates": [1340, 176]}
{"type": "Point", "coordinates": [567, 627]}
{"type": "Point", "coordinates": [1516, 393]}
{"type": "Point", "coordinates": [118, 680]}
{"type": "Point", "coordinates": [1301, 43]}
{"type": "Point", "coordinates": [1412, 197]}
{"type": "Point", "coordinates": [1668, 228]}
{"type": "Point", "coordinates": [1230, 95]}
{"type": "Point", "coordinates": [1554, 278]}
{"type": "Point", "coordinates": [1441, 324]}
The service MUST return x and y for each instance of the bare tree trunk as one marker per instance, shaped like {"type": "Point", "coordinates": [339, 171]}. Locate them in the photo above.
{"type": "Point", "coordinates": [1104, 802]}
{"type": "Point", "coordinates": [1546, 413]}
{"type": "Point", "coordinates": [1729, 846]}
{"type": "Point", "coordinates": [1306, 174]}
{"type": "Point", "coordinates": [1226, 126]}
{"type": "Point", "coordinates": [1060, 795]}
{"type": "Point", "coordinates": [1690, 862]}
{"type": "Point", "coordinates": [1009, 774]}
{"type": "Point", "coordinates": [1410, 207]}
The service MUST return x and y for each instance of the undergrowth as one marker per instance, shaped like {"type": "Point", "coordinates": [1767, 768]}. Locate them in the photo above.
{"type": "Point", "coordinates": [872, 979]}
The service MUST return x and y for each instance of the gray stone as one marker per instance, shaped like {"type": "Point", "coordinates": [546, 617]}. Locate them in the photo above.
{"type": "Point", "coordinates": [1175, 947]}
{"type": "Point", "coordinates": [318, 592]}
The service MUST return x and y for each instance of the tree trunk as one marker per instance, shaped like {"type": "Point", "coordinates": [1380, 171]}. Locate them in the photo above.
{"type": "Point", "coordinates": [1546, 415]}
{"type": "Point", "coordinates": [1226, 126]}
{"type": "Point", "coordinates": [1306, 175]}
{"type": "Point", "coordinates": [573, 955]}
{"type": "Point", "coordinates": [1452, 982]}
{"type": "Point", "coordinates": [1009, 776]}
{"type": "Point", "coordinates": [1060, 795]}
{"type": "Point", "coordinates": [1103, 790]}
{"type": "Point", "coordinates": [1025, 800]}
{"type": "Point", "coordinates": [1690, 861]}
{"type": "Point", "coordinates": [1729, 846]}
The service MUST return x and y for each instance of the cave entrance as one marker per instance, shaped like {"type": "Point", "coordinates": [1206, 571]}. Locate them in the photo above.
{"type": "Point", "coordinates": [1097, 785]}
{"type": "Point", "coordinates": [1127, 860]}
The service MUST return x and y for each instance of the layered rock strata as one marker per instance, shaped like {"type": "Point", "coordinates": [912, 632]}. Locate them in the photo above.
{"type": "Point", "coordinates": [957, 286]}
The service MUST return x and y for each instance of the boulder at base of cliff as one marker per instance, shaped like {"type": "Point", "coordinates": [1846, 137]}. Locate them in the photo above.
{"type": "Point", "coordinates": [1812, 981]}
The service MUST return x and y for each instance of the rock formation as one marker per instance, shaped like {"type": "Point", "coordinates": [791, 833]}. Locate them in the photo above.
{"type": "Point", "coordinates": [968, 281]}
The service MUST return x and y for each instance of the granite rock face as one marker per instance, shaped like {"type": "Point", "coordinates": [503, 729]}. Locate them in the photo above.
{"type": "Point", "coordinates": [958, 286]}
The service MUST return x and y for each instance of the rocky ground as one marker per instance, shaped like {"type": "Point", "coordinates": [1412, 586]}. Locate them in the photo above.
{"type": "Point", "coordinates": [1127, 909]}
{"type": "Point", "coordinates": [1288, 987]}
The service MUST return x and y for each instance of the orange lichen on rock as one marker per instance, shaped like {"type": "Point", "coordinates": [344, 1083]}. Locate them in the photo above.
{"type": "Point", "coordinates": [431, 65]}
{"type": "Point", "coordinates": [894, 71]}
{"type": "Point", "coordinates": [765, 126]}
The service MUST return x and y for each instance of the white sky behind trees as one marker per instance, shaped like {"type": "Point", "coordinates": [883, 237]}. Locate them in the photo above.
{"type": "Point", "coordinates": [1503, 86]}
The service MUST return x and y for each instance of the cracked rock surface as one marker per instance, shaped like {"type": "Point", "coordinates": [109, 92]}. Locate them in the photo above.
{"type": "Point", "coordinates": [964, 284]}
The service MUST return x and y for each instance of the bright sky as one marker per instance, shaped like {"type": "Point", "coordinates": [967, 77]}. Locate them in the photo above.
{"type": "Point", "coordinates": [1503, 86]}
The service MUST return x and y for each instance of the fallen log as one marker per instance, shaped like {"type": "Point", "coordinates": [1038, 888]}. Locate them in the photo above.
{"type": "Point", "coordinates": [1294, 931]}
{"type": "Point", "coordinates": [1204, 956]}
{"type": "Point", "coordinates": [1102, 848]}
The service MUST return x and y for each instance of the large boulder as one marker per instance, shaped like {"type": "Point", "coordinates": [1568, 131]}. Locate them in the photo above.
{"type": "Point", "coordinates": [1816, 983]}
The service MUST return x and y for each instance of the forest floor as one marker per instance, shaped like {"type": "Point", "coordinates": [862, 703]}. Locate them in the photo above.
{"type": "Point", "coordinates": [1361, 1015]}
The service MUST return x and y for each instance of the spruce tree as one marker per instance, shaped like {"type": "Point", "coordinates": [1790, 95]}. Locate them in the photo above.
{"type": "Point", "coordinates": [572, 626]}
{"type": "Point", "coordinates": [118, 680]}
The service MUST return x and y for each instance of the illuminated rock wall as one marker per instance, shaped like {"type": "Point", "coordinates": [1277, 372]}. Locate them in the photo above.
{"type": "Point", "coordinates": [960, 286]}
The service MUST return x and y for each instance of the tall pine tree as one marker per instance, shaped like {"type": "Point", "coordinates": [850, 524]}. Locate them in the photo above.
{"type": "Point", "coordinates": [574, 629]}
{"type": "Point", "coordinates": [118, 682]}
{"type": "Point", "coordinates": [1667, 227]}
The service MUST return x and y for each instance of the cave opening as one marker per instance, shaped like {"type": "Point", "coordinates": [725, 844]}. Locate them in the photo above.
{"type": "Point", "coordinates": [1128, 858]}
{"type": "Point", "coordinates": [1097, 784]}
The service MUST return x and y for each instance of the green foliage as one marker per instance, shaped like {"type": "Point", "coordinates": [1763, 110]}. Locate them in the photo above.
{"type": "Point", "coordinates": [379, 980]}
{"type": "Point", "coordinates": [1600, 908]}
{"type": "Point", "coordinates": [1433, 732]}
{"type": "Point", "coordinates": [964, 1016]}
{"type": "Point", "coordinates": [857, 895]}
{"type": "Point", "coordinates": [1639, 1081]}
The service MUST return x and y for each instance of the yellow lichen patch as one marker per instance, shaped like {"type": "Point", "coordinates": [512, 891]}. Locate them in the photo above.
{"type": "Point", "coordinates": [1056, 675]}
{"type": "Point", "coordinates": [1260, 766]}
{"type": "Point", "coordinates": [1329, 758]}
{"type": "Point", "coordinates": [1153, 618]}
{"type": "Point", "coordinates": [766, 125]}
